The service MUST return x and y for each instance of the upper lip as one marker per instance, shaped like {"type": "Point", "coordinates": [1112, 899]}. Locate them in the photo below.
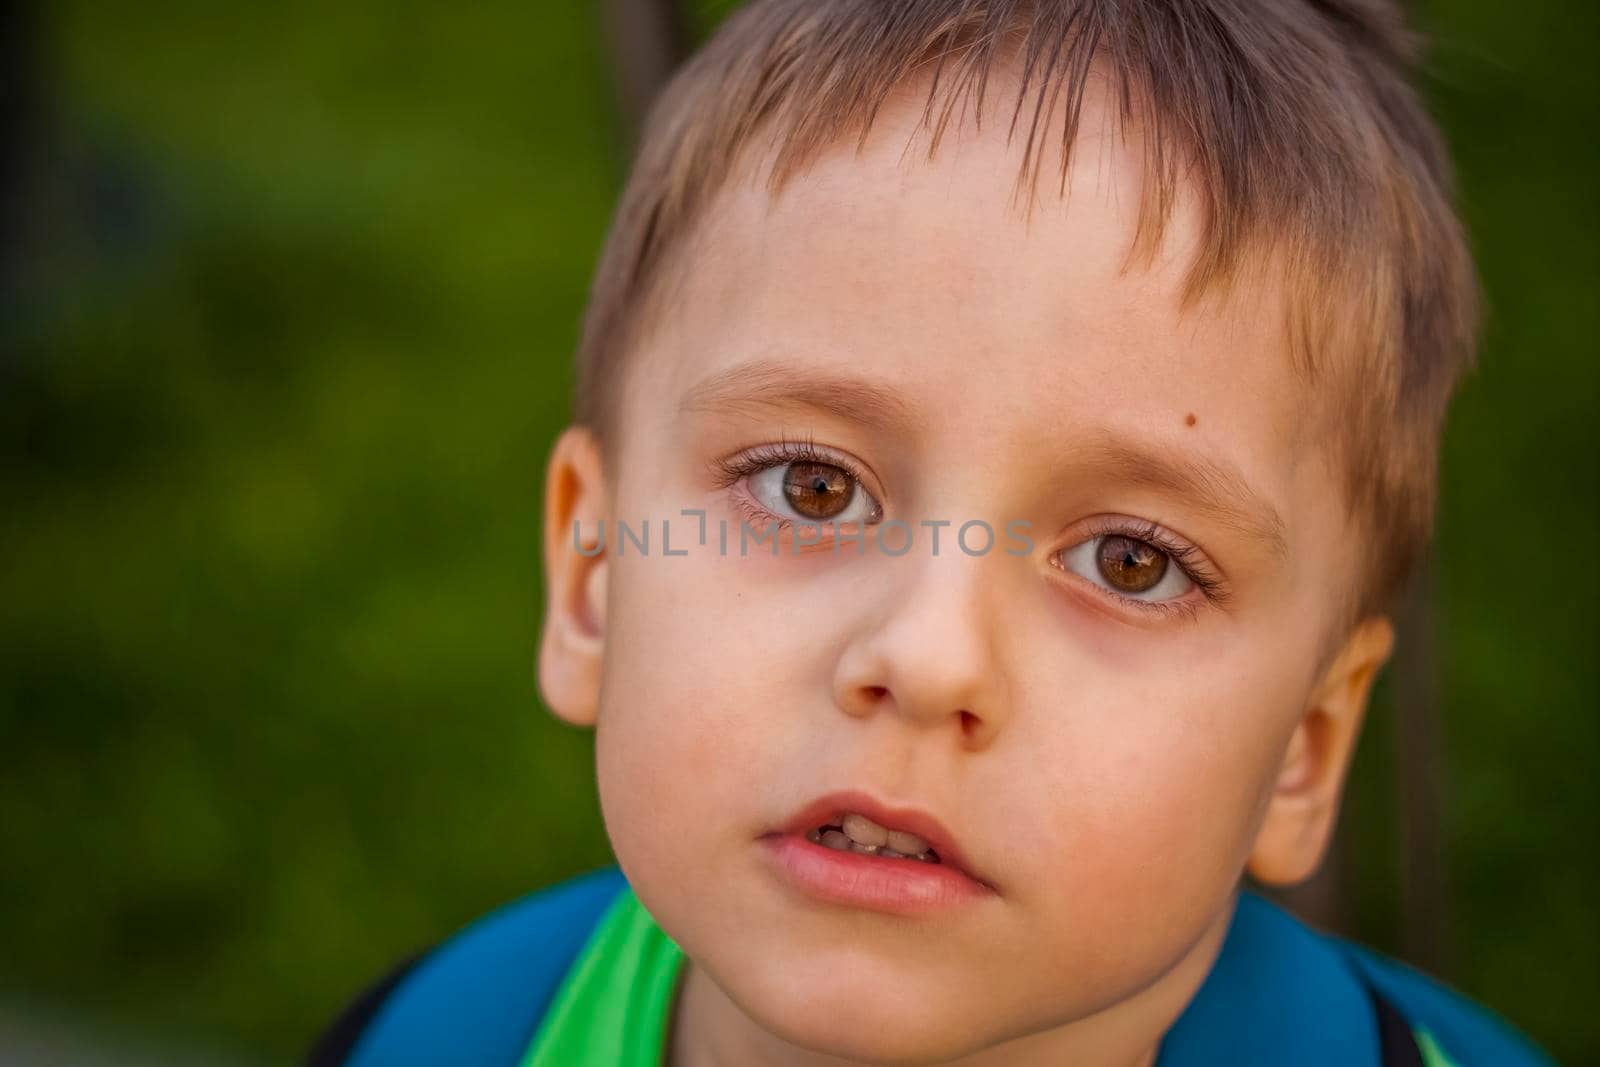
{"type": "Point", "coordinates": [829, 808]}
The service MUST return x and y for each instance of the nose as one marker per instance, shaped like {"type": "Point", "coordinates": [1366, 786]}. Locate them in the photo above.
{"type": "Point", "coordinates": [930, 656]}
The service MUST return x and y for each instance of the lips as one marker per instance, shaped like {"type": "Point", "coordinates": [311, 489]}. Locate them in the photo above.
{"type": "Point", "coordinates": [850, 848]}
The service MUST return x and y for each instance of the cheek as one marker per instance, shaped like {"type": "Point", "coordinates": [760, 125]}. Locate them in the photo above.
{"type": "Point", "coordinates": [692, 705]}
{"type": "Point", "coordinates": [1152, 793]}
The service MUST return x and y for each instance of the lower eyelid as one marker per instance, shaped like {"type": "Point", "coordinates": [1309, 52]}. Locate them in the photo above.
{"type": "Point", "coordinates": [750, 509]}
{"type": "Point", "coordinates": [1184, 605]}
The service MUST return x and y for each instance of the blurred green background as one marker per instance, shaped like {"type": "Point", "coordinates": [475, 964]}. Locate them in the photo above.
{"type": "Point", "coordinates": [287, 303]}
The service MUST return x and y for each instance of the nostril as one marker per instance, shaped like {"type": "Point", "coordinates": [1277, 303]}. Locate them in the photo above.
{"type": "Point", "coordinates": [969, 723]}
{"type": "Point", "coordinates": [877, 692]}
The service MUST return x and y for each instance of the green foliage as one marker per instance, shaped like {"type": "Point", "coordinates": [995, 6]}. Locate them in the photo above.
{"type": "Point", "coordinates": [274, 403]}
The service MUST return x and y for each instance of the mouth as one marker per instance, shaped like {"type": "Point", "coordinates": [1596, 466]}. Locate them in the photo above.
{"type": "Point", "coordinates": [850, 849]}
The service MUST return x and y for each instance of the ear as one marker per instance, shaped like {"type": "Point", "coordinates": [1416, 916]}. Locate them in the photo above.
{"type": "Point", "coordinates": [1305, 799]}
{"type": "Point", "coordinates": [573, 637]}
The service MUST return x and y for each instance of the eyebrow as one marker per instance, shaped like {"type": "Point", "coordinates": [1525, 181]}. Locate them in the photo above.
{"type": "Point", "coordinates": [768, 385]}
{"type": "Point", "coordinates": [1215, 488]}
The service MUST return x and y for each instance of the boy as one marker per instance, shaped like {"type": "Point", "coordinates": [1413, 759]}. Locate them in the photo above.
{"type": "Point", "coordinates": [1035, 410]}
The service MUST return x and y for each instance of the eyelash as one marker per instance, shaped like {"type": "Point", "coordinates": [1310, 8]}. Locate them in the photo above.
{"type": "Point", "coordinates": [1187, 557]}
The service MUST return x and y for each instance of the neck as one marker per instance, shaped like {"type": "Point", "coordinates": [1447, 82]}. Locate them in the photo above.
{"type": "Point", "coordinates": [709, 1029]}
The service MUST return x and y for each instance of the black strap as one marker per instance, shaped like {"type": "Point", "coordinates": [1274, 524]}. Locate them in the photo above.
{"type": "Point", "coordinates": [333, 1048]}
{"type": "Point", "coordinates": [1397, 1045]}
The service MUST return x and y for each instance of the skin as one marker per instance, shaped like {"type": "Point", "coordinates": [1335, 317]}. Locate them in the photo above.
{"type": "Point", "coordinates": [1110, 767]}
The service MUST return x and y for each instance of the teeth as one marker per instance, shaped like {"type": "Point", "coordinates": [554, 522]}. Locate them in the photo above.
{"type": "Point", "coordinates": [857, 833]}
{"type": "Point", "coordinates": [864, 831]}
{"type": "Point", "coordinates": [910, 844]}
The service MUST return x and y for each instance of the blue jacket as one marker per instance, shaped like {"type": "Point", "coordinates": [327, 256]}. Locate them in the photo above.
{"type": "Point", "coordinates": [1280, 993]}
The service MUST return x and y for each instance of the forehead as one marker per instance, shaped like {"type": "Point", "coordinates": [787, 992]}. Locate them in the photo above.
{"type": "Point", "coordinates": [998, 323]}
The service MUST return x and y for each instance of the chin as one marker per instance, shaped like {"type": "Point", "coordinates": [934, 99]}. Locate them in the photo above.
{"type": "Point", "coordinates": [888, 1045]}
{"type": "Point", "coordinates": [859, 1016]}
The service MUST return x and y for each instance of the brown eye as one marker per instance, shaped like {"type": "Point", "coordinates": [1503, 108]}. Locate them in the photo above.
{"type": "Point", "coordinates": [1130, 565]}
{"type": "Point", "coordinates": [807, 489]}
{"type": "Point", "coordinates": [817, 491]}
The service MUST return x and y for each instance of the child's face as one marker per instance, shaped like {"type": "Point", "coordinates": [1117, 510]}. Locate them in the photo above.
{"type": "Point", "coordinates": [1105, 763]}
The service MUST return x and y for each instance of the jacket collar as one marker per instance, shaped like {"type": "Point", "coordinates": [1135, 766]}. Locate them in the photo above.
{"type": "Point", "coordinates": [1278, 993]}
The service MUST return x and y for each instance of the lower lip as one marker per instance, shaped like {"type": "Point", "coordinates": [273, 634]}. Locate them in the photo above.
{"type": "Point", "coordinates": [854, 879]}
